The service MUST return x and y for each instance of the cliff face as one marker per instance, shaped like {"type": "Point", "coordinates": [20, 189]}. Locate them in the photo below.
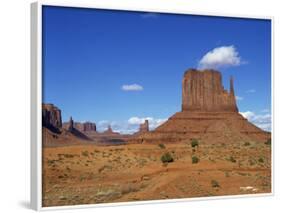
{"type": "Point", "coordinates": [203, 91]}
{"type": "Point", "coordinates": [209, 113]}
{"type": "Point", "coordinates": [51, 117]}
{"type": "Point", "coordinates": [88, 126]}
{"type": "Point", "coordinates": [82, 127]}
{"type": "Point", "coordinates": [144, 127]}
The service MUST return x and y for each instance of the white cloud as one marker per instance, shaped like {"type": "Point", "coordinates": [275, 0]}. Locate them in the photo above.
{"type": "Point", "coordinates": [263, 121]}
{"type": "Point", "coordinates": [223, 56]}
{"type": "Point", "coordinates": [132, 87]}
{"type": "Point", "coordinates": [129, 126]}
{"type": "Point", "coordinates": [251, 91]}
{"type": "Point", "coordinates": [238, 98]}
{"type": "Point", "coordinates": [153, 122]}
{"type": "Point", "coordinates": [265, 110]}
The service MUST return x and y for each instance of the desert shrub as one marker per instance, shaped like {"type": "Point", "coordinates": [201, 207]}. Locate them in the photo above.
{"type": "Point", "coordinates": [195, 159]}
{"type": "Point", "coordinates": [251, 162]}
{"type": "Point", "coordinates": [268, 142]}
{"type": "Point", "coordinates": [194, 143]}
{"type": "Point", "coordinates": [247, 144]}
{"type": "Point", "coordinates": [232, 159]}
{"type": "Point", "coordinates": [68, 155]}
{"type": "Point", "coordinates": [261, 160]}
{"type": "Point", "coordinates": [215, 184]}
{"type": "Point", "coordinates": [167, 158]}
{"type": "Point", "coordinates": [162, 146]}
{"type": "Point", "coordinates": [85, 153]}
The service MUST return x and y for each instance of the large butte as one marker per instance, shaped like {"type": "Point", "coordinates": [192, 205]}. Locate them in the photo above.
{"type": "Point", "coordinates": [209, 113]}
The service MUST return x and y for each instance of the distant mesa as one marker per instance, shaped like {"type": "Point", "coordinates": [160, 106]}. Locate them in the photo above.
{"type": "Point", "coordinates": [53, 132]}
{"type": "Point", "coordinates": [109, 130]}
{"type": "Point", "coordinates": [83, 127]}
{"type": "Point", "coordinates": [144, 127]}
{"type": "Point", "coordinates": [209, 113]}
{"type": "Point", "coordinates": [76, 132]}
{"type": "Point", "coordinates": [88, 126]}
{"type": "Point", "coordinates": [51, 117]}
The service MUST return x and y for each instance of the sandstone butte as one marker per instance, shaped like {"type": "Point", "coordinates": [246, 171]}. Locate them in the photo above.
{"type": "Point", "coordinates": [144, 127]}
{"type": "Point", "coordinates": [51, 117]}
{"type": "Point", "coordinates": [209, 113]}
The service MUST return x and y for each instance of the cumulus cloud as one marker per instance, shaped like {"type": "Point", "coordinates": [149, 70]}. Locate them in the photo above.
{"type": "Point", "coordinates": [153, 122]}
{"type": "Point", "coordinates": [251, 91]}
{"type": "Point", "coordinates": [265, 110]}
{"type": "Point", "coordinates": [129, 126]}
{"type": "Point", "coordinates": [238, 98]}
{"type": "Point", "coordinates": [263, 121]}
{"type": "Point", "coordinates": [223, 56]}
{"type": "Point", "coordinates": [132, 87]}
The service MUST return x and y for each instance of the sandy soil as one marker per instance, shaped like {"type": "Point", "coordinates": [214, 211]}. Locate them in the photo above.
{"type": "Point", "coordinates": [86, 174]}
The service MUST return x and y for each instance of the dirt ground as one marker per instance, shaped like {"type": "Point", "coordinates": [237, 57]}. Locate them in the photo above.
{"type": "Point", "coordinates": [87, 174]}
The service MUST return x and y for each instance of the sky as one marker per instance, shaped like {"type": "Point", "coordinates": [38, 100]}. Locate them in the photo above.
{"type": "Point", "coordinates": [120, 68]}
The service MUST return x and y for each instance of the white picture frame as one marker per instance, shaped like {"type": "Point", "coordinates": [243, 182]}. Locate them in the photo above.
{"type": "Point", "coordinates": [36, 100]}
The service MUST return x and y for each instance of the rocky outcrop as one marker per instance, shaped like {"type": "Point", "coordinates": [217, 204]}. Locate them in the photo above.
{"type": "Point", "coordinates": [109, 130]}
{"type": "Point", "coordinates": [88, 126]}
{"type": "Point", "coordinates": [209, 113]}
{"type": "Point", "coordinates": [203, 91]}
{"type": "Point", "coordinates": [82, 127]}
{"type": "Point", "coordinates": [71, 124]}
{"type": "Point", "coordinates": [51, 117]}
{"type": "Point", "coordinates": [144, 127]}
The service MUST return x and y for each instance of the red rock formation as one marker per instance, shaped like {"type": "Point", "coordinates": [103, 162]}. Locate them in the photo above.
{"type": "Point", "coordinates": [203, 91]}
{"type": "Point", "coordinates": [71, 124]}
{"type": "Point", "coordinates": [144, 127]}
{"type": "Point", "coordinates": [209, 113]}
{"type": "Point", "coordinates": [88, 126]}
{"type": "Point", "coordinates": [51, 117]}
{"type": "Point", "coordinates": [109, 130]}
{"type": "Point", "coordinates": [82, 127]}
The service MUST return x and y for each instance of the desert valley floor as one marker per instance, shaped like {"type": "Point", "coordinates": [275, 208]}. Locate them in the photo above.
{"type": "Point", "coordinates": [85, 174]}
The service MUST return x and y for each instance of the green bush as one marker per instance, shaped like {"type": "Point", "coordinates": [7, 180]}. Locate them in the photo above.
{"type": "Point", "coordinates": [268, 142]}
{"type": "Point", "coordinates": [85, 153]}
{"type": "Point", "coordinates": [194, 143]}
{"type": "Point", "coordinates": [261, 160]}
{"type": "Point", "coordinates": [232, 159]}
{"type": "Point", "coordinates": [215, 184]}
{"type": "Point", "coordinates": [195, 159]}
{"type": "Point", "coordinates": [247, 144]}
{"type": "Point", "coordinates": [167, 158]}
{"type": "Point", "coordinates": [162, 146]}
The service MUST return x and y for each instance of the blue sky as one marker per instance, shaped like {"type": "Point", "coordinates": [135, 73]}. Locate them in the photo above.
{"type": "Point", "coordinates": [118, 67]}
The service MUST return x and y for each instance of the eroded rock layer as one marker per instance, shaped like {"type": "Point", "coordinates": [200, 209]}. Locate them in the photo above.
{"type": "Point", "coordinates": [209, 113]}
{"type": "Point", "coordinates": [203, 91]}
{"type": "Point", "coordinates": [51, 117]}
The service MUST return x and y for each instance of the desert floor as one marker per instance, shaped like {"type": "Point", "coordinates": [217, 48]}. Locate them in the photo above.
{"type": "Point", "coordinates": [89, 174]}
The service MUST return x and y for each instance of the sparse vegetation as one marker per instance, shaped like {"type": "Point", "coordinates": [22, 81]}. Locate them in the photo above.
{"type": "Point", "coordinates": [195, 159]}
{"type": "Point", "coordinates": [215, 184]}
{"type": "Point", "coordinates": [194, 143]}
{"type": "Point", "coordinates": [261, 160]}
{"type": "Point", "coordinates": [247, 144]}
{"type": "Point", "coordinates": [167, 158]}
{"type": "Point", "coordinates": [162, 146]}
{"type": "Point", "coordinates": [231, 159]}
{"type": "Point", "coordinates": [85, 153]}
{"type": "Point", "coordinates": [268, 142]}
{"type": "Point", "coordinates": [84, 174]}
